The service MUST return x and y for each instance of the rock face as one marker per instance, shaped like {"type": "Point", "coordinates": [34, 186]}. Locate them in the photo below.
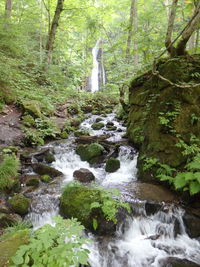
{"type": "Point", "coordinates": [43, 169]}
{"type": "Point", "coordinates": [83, 175]}
{"type": "Point", "coordinates": [90, 153]}
{"type": "Point", "coordinates": [175, 262]}
{"type": "Point", "coordinates": [112, 165]}
{"type": "Point", "coordinates": [192, 223]}
{"type": "Point", "coordinates": [161, 114]}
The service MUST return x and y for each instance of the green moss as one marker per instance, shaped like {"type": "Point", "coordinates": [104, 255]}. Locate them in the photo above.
{"type": "Point", "coordinates": [64, 135]}
{"type": "Point", "coordinates": [9, 220]}
{"type": "Point", "coordinates": [90, 152]}
{"type": "Point", "coordinates": [28, 120]}
{"type": "Point", "coordinates": [45, 178]}
{"type": "Point", "coordinates": [81, 133]}
{"type": "Point", "coordinates": [32, 107]}
{"type": "Point", "coordinates": [33, 180]}
{"type": "Point", "coordinates": [49, 157]}
{"type": "Point", "coordinates": [112, 165]}
{"type": "Point", "coordinates": [9, 247]}
{"type": "Point", "coordinates": [97, 125]}
{"type": "Point", "coordinates": [19, 204]}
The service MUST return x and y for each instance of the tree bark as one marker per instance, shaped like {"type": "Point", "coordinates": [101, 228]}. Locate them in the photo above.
{"type": "Point", "coordinates": [130, 31]}
{"type": "Point", "coordinates": [135, 15]}
{"type": "Point", "coordinates": [168, 41]}
{"type": "Point", "coordinates": [52, 33]}
{"type": "Point", "coordinates": [8, 9]}
{"type": "Point", "coordinates": [192, 27]}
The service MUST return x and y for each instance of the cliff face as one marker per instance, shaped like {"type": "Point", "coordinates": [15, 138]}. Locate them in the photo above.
{"type": "Point", "coordinates": [164, 120]}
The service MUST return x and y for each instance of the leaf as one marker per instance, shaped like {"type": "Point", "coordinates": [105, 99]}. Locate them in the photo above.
{"type": "Point", "coordinates": [95, 205]}
{"type": "Point", "coordinates": [179, 181]}
{"type": "Point", "coordinates": [94, 223]}
{"type": "Point", "coordinates": [194, 187]}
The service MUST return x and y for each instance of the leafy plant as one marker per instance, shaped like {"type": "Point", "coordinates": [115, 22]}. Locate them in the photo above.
{"type": "Point", "coordinates": [59, 245]}
{"type": "Point", "coordinates": [109, 205]}
{"type": "Point", "coordinates": [8, 171]}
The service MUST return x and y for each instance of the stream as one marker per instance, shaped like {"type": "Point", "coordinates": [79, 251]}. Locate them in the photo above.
{"type": "Point", "coordinates": [145, 239]}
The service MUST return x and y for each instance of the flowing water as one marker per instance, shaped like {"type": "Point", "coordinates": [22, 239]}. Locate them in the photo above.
{"type": "Point", "coordinates": [144, 240]}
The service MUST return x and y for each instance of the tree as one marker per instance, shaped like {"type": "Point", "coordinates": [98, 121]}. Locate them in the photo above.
{"type": "Point", "coordinates": [186, 33]}
{"type": "Point", "coordinates": [52, 33]}
{"type": "Point", "coordinates": [8, 9]}
{"type": "Point", "coordinates": [133, 25]}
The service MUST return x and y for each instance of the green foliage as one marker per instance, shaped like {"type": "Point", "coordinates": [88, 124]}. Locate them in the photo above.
{"type": "Point", "coordinates": [9, 231]}
{"type": "Point", "coordinates": [49, 246]}
{"type": "Point", "coordinates": [46, 127]}
{"type": "Point", "coordinates": [8, 172]}
{"type": "Point", "coordinates": [188, 149]}
{"type": "Point", "coordinates": [185, 180]}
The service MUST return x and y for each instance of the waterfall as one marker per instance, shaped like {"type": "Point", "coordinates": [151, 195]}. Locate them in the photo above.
{"type": "Point", "coordinates": [98, 77]}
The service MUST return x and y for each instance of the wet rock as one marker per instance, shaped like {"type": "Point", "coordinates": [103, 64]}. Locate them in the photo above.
{"type": "Point", "coordinates": [32, 180]}
{"type": "Point", "coordinates": [98, 119]}
{"type": "Point", "coordinates": [152, 207]}
{"type": "Point", "coordinates": [90, 153]}
{"type": "Point", "coordinates": [83, 175]}
{"type": "Point", "coordinates": [175, 262]}
{"type": "Point", "coordinates": [19, 204]}
{"type": "Point", "coordinates": [113, 128]}
{"type": "Point", "coordinates": [44, 154]}
{"type": "Point", "coordinates": [91, 139]}
{"type": "Point", "coordinates": [151, 192]}
{"type": "Point", "coordinates": [97, 125]}
{"type": "Point", "coordinates": [192, 224]}
{"type": "Point", "coordinates": [112, 165]}
{"type": "Point", "coordinates": [42, 169]}
{"type": "Point", "coordinates": [9, 220]}
{"type": "Point", "coordinates": [109, 124]}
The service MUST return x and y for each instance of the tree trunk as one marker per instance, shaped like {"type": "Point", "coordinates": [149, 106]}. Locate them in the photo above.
{"type": "Point", "coordinates": [52, 33]}
{"type": "Point", "coordinates": [168, 40]}
{"type": "Point", "coordinates": [135, 15]}
{"type": "Point", "coordinates": [192, 26]}
{"type": "Point", "coordinates": [130, 31]}
{"type": "Point", "coordinates": [8, 9]}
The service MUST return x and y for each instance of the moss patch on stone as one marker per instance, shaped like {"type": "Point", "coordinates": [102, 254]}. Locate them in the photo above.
{"type": "Point", "coordinates": [90, 152]}
{"type": "Point", "coordinates": [19, 204]}
{"type": "Point", "coordinates": [112, 165]}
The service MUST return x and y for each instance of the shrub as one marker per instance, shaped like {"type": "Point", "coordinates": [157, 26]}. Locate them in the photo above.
{"type": "Point", "coordinates": [59, 245]}
{"type": "Point", "coordinates": [8, 172]}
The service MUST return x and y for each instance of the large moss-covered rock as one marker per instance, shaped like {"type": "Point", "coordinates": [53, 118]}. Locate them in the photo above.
{"type": "Point", "coordinates": [19, 204]}
{"type": "Point", "coordinates": [90, 153]}
{"type": "Point", "coordinates": [161, 115]}
{"type": "Point", "coordinates": [32, 107]}
{"type": "Point", "coordinates": [9, 246]}
{"type": "Point", "coordinates": [43, 169]}
{"type": "Point", "coordinates": [112, 165]}
{"type": "Point", "coordinates": [76, 202]}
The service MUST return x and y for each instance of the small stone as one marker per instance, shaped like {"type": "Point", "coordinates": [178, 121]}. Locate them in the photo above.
{"type": "Point", "coordinates": [97, 125]}
{"type": "Point", "coordinates": [98, 119]}
{"type": "Point", "coordinates": [83, 175]}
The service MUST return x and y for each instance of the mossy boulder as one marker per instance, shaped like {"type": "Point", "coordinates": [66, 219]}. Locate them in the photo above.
{"type": "Point", "coordinates": [98, 119]}
{"type": "Point", "coordinates": [76, 202]}
{"type": "Point", "coordinates": [49, 157]}
{"type": "Point", "coordinates": [19, 204]}
{"type": "Point", "coordinates": [43, 169]}
{"type": "Point", "coordinates": [32, 107]}
{"type": "Point", "coordinates": [162, 115]}
{"type": "Point", "coordinates": [9, 246]}
{"type": "Point", "coordinates": [112, 165]}
{"type": "Point", "coordinates": [97, 125]}
{"type": "Point", "coordinates": [90, 153]}
{"type": "Point", "coordinates": [33, 180]}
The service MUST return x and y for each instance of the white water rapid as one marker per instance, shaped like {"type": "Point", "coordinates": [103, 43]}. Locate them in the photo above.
{"type": "Point", "coordinates": [145, 240]}
{"type": "Point", "coordinates": [95, 70]}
